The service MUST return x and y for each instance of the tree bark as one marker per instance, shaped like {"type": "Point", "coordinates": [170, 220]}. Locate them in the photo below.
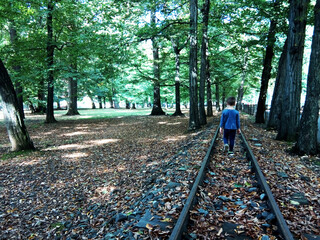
{"type": "Point", "coordinates": [156, 109]}
{"type": "Point", "coordinates": [217, 97]}
{"type": "Point", "coordinates": [209, 93]}
{"type": "Point", "coordinates": [16, 129]}
{"type": "Point", "coordinates": [204, 60]}
{"type": "Point", "coordinates": [194, 121]}
{"type": "Point", "coordinates": [41, 98]}
{"type": "Point", "coordinates": [275, 111]}
{"type": "Point", "coordinates": [16, 67]}
{"type": "Point", "coordinates": [100, 102]}
{"type": "Point", "coordinates": [50, 64]}
{"type": "Point", "coordinates": [73, 94]}
{"type": "Point", "coordinates": [241, 92]}
{"type": "Point", "coordinates": [266, 73]}
{"type": "Point", "coordinates": [127, 104]}
{"type": "Point", "coordinates": [223, 98]}
{"type": "Point", "coordinates": [290, 114]}
{"type": "Point", "coordinates": [177, 79]}
{"type": "Point", "coordinates": [308, 129]}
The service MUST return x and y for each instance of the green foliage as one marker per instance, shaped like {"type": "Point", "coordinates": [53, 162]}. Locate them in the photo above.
{"type": "Point", "coordinates": [106, 45]}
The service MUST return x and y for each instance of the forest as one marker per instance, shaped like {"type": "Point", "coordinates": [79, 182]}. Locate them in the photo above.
{"type": "Point", "coordinates": [165, 52]}
{"type": "Point", "coordinates": [156, 75]}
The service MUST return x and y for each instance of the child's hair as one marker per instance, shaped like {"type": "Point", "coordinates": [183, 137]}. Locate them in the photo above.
{"type": "Point", "coordinates": [231, 101]}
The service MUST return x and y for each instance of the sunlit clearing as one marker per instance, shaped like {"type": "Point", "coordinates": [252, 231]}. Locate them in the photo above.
{"type": "Point", "coordinates": [76, 155]}
{"type": "Point", "coordinates": [75, 134]}
{"type": "Point", "coordinates": [162, 123]}
{"type": "Point", "coordinates": [103, 141]}
{"type": "Point", "coordinates": [70, 146]}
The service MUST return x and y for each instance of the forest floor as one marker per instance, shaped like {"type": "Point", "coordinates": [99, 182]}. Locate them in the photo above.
{"type": "Point", "coordinates": [107, 178]}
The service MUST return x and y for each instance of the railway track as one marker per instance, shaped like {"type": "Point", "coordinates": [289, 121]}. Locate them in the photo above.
{"type": "Point", "coordinates": [230, 199]}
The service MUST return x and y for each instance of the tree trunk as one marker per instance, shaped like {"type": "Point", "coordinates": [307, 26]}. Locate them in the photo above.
{"type": "Point", "coordinates": [16, 67]}
{"type": "Point", "coordinates": [194, 121]}
{"type": "Point", "coordinates": [217, 97]}
{"type": "Point", "coordinates": [104, 102]}
{"type": "Point", "coordinates": [209, 93]}
{"type": "Point", "coordinates": [41, 98]}
{"type": "Point", "coordinates": [100, 102]}
{"type": "Point", "coordinates": [156, 109]}
{"type": "Point", "coordinates": [308, 129]}
{"type": "Point", "coordinates": [266, 73]}
{"type": "Point", "coordinates": [290, 114]}
{"type": "Point", "coordinates": [204, 60]}
{"type": "Point", "coordinates": [50, 64]}
{"type": "Point", "coordinates": [241, 92]}
{"type": "Point", "coordinates": [73, 94]}
{"type": "Point", "coordinates": [223, 98]}
{"type": "Point", "coordinates": [16, 129]}
{"type": "Point", "coordinates": [275, 111]}
{"type": "Point", "coordinates": [133, 106]}
{"type": "Point", "coordinates": [177, 79]}
{"type": "Point", "coordinates": [127, 104]}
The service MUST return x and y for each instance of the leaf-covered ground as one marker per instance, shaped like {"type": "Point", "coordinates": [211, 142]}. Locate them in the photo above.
{"type": "Point", "coordinates": [94, 179]}
{"type": "Point", "coordinates": [128, 178]}
{"type": "Point", "coordinates": [294, 180]}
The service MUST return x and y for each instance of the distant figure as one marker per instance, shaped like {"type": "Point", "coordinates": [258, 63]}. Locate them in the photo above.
{"type": "Point", "coordinates": [230, 125]}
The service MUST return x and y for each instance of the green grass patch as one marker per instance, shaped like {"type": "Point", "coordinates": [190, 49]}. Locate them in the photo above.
{"type": "Point", "coordinates": [10, 155]}
{"type": "Point", "coordinates": [60, 115]}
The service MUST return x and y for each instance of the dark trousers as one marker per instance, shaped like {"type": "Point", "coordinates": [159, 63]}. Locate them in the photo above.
{"type": "Point", "coordinates": [228, 137]}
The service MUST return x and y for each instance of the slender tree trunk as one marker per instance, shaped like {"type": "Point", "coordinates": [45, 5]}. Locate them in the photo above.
{"type": "Point", "coordinates": [73, 94]}
{"type": "Point", "coordinates": [194, 121]}
{"type": "Point", "coordinates": [218, 97]}
{"type": "Point", "coordinates": [50, 64]}
{"type": "Point", "coordinates": [308, 129]}
{"type": "Point", "coordinates": [100, 102]}
{"type": "Point", "coordinates": [127, 104]}
{"type": "Point", "coordinates": [104, 102]}
{"type": "Point", "coordinates": [177, 78]}
{"type": "Point", "coordinates": [41, 98]}
{"type": "Point", "coordinates": [241, 92]}
{"type": "Point", "coordinates": [156, 109]}
{"type": "Point", "coordinates": [223, 98]}
{"type": "Point", "coordinates": [209, 93]}
{"type": "Point", "coordinates": [16, 129]}
{"type": "Point", "coordinates": [58, 105]}
{"type": "Point", "coordinates": [204, 64]}
{"type": "Point", "coordinates": [275, 111]}
{"type": "Point", "coordinates": [266, 73]}
{"type": "Point", "coordinates": [290, 113]}
{"type": "Point", "coordinates": [16, 67]}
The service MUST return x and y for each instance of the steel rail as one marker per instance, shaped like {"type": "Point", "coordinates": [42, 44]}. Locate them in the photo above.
{"type": "Point", "coordinates": [183, 219]}
{"type": "Point", "coordinates": [281, 223]}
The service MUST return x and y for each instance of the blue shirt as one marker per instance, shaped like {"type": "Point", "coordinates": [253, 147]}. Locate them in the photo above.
{"type": "Point", "coordinates": [230, 119]}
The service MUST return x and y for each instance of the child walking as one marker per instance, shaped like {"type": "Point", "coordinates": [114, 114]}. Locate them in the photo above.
{"type": "Point", "coordinates": [230, 125]}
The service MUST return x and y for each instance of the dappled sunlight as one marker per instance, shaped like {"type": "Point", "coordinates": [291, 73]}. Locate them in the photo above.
{"type": "Point", "coordinates": [75, 155]}
{"type": "Point", "coordinates": [173, 139]}
{"type": "Point", "coordinates": [68, 146]}
{"type": "Point", "coordinates": [75, 134]}
{"type": "Point", "coordinates": [102, 192]}
{"type": "Point", "coordinates": [162, 123]}
{"type": "Point", "coordinates": [103, 141]}
{"type": "Point", "coordinates": [30, 162]}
